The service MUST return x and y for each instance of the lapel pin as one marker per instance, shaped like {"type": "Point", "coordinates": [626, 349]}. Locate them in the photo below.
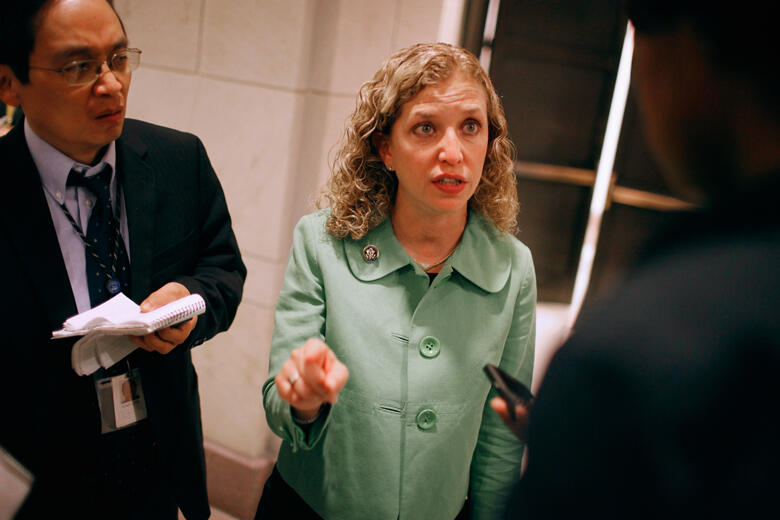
{"type": "Point", "coordinates": [370, 254]}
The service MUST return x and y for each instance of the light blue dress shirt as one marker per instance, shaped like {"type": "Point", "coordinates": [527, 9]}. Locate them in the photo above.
{"type": "Point", "coordinates": [54, 167]}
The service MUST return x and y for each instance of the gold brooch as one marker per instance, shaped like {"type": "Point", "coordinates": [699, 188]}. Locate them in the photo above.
{"type": "Point", "coordinates": [370, 254]}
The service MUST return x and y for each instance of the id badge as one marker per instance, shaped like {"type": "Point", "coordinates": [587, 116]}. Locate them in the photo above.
{"type": "Point", "coordinates": [121, 400]}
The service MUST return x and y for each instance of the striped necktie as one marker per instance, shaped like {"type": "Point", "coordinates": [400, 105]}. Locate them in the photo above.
{"type": "Point", "coordinates": [108, 267]}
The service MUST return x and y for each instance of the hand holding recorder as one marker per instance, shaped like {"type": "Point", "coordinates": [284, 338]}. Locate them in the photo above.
{"type": "Point", "coordinates": [515, 402]}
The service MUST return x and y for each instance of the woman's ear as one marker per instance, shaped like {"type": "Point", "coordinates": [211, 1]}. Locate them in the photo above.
{"type": "Point", "coordinates": [382, 146]}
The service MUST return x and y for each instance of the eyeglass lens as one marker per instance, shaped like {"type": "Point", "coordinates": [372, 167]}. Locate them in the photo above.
{"type": "Point", "coordinates": [88, 70]}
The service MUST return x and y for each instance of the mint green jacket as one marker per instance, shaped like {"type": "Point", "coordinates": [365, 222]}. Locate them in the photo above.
{"type": "Point", "coordinates": [411, 434]}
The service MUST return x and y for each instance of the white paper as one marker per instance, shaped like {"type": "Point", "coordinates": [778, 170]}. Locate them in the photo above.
{"type": "Point", "coordinates": [96, 350]}
{"type": "Point", "coordinates": [15, 482]}
{"type": "Point", "coordinates": [121, 316]}
{"type": "Point", "coordinates": [115, 310]}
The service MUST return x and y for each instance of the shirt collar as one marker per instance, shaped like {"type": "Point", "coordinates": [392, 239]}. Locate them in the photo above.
{"type": "Point", "coordinates": [54, 166]}
{"type": "Point", "coordinates": [483, 256]}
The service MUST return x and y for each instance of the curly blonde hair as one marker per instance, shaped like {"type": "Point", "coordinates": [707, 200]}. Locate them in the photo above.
{"type": "Point", "coordinates": [361, 190]}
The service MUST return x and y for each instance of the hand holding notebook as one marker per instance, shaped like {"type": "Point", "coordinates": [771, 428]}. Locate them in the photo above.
{"type": "Point", "coordinates": [104, 329]}
{"type": "Point", "coordinates": [121, 316]}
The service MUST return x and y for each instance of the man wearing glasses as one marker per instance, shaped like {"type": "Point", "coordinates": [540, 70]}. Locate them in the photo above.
{"type": "Point", "coordinates": [93, 205]}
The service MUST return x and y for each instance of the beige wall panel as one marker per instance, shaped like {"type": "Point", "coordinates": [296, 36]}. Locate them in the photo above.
{"type": "Point", "coordinates": [163, 97]}
{"type": "Point", "coordinates": [351, 38]}
{"type": "Point", "coordinates": [247, 131]}
{"type": "Point", "coordinates": [263, 281]}
{"type": "Point", "coordinates": [417, 22]}
{"type": "Point", "coordinates": [167, 32]}
{"type": "Point", "coordinates": [337, 110]}
{"type": "Point", "coordinates": [266, 41]}
{"type": "Point", "coordinates": [232, 368]}
{"type": "Point", "coordinates": [320, 124]}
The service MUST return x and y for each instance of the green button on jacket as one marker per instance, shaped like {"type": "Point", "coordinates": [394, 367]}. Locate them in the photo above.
{"type": "Point", "coordinates": [411, 434]}
{"type": "Point", "coordinates": [429, 347]}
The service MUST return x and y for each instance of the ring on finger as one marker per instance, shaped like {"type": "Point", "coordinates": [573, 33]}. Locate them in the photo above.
{"type": "Point", "coordinates": [293, 378]}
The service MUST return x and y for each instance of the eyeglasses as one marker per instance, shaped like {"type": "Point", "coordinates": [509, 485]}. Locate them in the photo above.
{"type": "Point", "coordinates": [82, 72]}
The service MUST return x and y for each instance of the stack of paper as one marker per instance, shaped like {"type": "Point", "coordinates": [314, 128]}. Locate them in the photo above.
{"type": "Point", "coordinates": [105, 329]}
{"type": "Point", "coordinates": [15, 482]}
{"type": "Point", "coordinates": [121, 316]}
{"type": "Point", "coordinates": [97, 350]}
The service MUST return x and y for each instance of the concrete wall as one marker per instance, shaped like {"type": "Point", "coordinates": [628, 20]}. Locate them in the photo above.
{"type": "Point", "coordinates": [267, 86]}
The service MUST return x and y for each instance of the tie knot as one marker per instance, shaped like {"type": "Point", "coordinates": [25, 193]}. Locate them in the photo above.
{"type": "Point", "coordinates": [98, 184]}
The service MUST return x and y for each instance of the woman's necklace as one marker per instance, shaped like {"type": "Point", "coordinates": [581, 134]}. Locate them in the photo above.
{"type": "Point", "coordinates": [427, 267]}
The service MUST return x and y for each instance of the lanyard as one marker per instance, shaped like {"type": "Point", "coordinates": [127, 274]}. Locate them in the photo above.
{"type": "Point", "coordinates": [113, 281]}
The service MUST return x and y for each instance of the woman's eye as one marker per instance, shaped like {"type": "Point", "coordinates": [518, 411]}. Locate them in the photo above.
{"type": "Point", "coordinates": [424, 129]}
{"type": "Point", "coordinates": [471, 127]}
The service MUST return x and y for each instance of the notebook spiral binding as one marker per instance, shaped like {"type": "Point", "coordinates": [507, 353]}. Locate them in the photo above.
{"type": "Point", "coordinates": [181, 314]}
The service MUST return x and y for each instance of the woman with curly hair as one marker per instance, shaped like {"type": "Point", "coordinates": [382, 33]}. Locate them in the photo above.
{"type": "Point", "coordinates": [395, 297]}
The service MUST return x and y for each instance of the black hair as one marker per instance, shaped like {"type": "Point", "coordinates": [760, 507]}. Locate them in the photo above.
{"type": "Point", "coordinates": [19, 20]}
{"type": "Point", "coordinates": [740, 37]}
{"type": "Point", "coordinates": [18, 26]}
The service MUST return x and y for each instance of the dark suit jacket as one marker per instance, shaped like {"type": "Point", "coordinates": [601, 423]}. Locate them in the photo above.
{"type": "Point", "coordinates": [180, 231]}
{"type": "Point", "coordinates": [664, 403]}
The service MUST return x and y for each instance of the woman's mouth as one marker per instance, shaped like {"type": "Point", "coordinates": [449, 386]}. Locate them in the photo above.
{"type": "Point", "coordinates": [449, 181]}
{"type": "Point", "coordinates": [450, 185]}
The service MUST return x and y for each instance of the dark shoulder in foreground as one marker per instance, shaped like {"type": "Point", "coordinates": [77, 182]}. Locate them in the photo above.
{"type": "Point", "coordinates": [663, 402]}
{"type": "Point", "coordinates": [715, 281]}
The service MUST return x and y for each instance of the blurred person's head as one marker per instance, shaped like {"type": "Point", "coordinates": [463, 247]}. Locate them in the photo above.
{"type": "Point", "coordinates": [364, 183]}
{"type": "Point", "coordinates": [39, 39]}
{"type": "Point", "coordinates": [707, 89]}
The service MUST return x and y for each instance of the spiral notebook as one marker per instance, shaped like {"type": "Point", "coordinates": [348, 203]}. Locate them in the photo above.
{"type": "Point", "coordinates": [121, 316]}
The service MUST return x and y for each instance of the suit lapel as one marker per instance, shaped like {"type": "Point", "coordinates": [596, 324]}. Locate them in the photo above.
{"type": "Point", "coordinates": [26, 216]}
{"type": "Point", "coordinates": [136, 180]}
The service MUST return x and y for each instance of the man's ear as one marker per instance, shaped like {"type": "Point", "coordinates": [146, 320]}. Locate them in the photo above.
{"type": "Point", "coordinates": [9, 87]}
{"type": "Point", "coordinates": [382, 146]}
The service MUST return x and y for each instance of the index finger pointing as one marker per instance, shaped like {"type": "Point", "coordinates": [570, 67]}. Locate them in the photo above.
{"type": "Point", "coordinates": [314, 374]}
{"type": "Point", "coordinates": [336, 378]}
